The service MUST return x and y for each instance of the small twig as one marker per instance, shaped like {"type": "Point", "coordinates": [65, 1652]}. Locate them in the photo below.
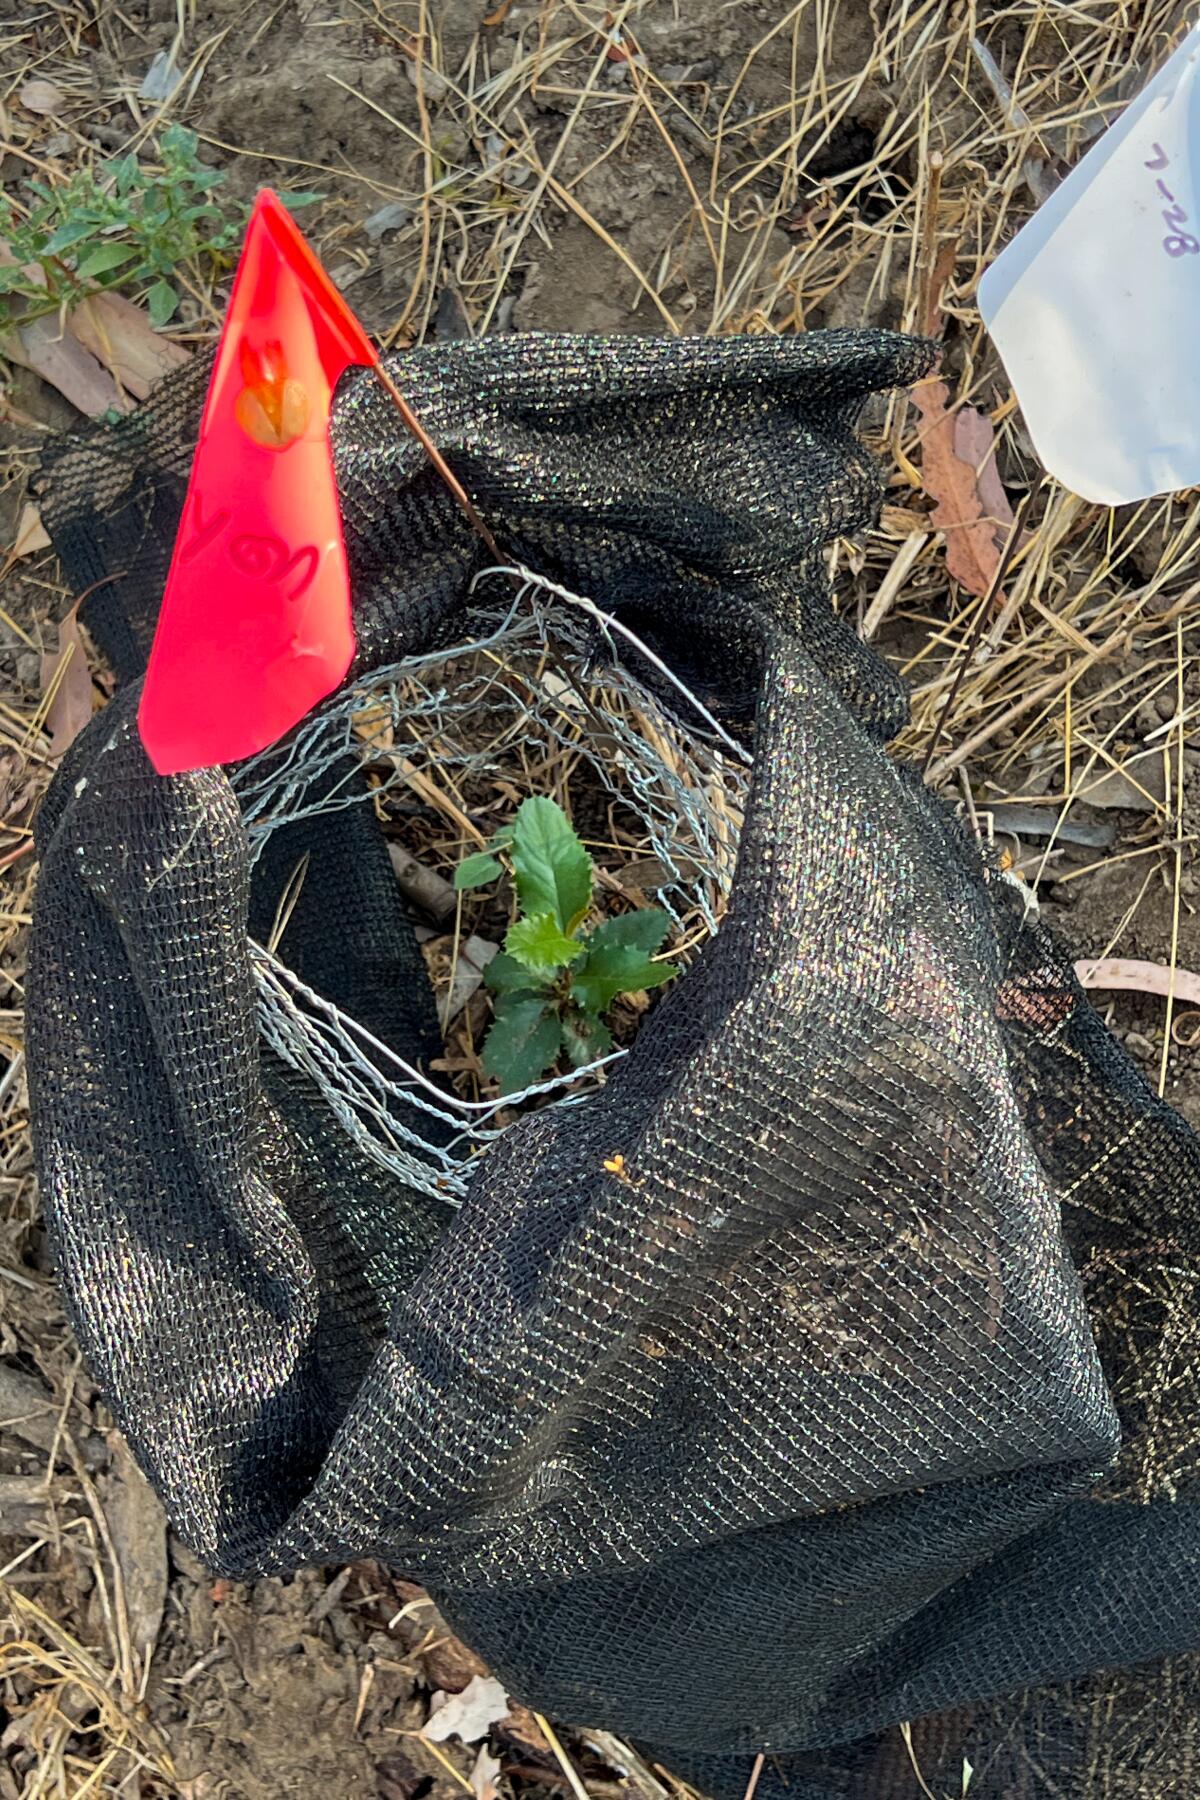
{"type": "Point", "coordinates": [755, 1772]}
{"type": "Point", "coordinates": [985, 607]}
{"type": "Point", "coordinates": [906, 1734]}
{"type": "Point", "coordinates": [439, 1755]}
{"type": "Point", "coordinates": [563, 1760]}
{"type": "Point", "coordinates": [454, 953]}
{"type": "Point", "coordinates": [120, 1619]}
{"type": "Point", "coordinates": [104, 581]}
{"type": "Point", "coordinates": [931, 298]}
{"type": "Point", "coordinates": [423, 886]}
{"type": "Point", "coordinates": [1177, 884]}
{"type": "Point", "coordinates": [13, 856]}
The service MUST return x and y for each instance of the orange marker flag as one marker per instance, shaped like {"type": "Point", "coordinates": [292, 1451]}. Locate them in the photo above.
{"type": "Point", "coordinates": [255, 625]}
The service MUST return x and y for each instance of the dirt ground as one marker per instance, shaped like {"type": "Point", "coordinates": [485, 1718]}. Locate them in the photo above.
{"type": "Point", "coordinates": [548, 165]}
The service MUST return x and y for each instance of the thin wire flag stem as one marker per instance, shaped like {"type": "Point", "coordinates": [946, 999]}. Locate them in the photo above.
{"type": "Point", "coordinates": [455, 486]}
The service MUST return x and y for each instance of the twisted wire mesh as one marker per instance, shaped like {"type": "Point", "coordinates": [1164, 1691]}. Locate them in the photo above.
{"type": "Point", "coordinates": [525, 680]}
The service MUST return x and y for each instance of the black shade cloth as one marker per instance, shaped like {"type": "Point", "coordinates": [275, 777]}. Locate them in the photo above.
{"type": "Point", "coordinates": [835, 1364]}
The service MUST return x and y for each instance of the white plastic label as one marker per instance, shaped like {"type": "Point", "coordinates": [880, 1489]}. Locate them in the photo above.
{"type": "Point", "coordinates": [1095, 305]}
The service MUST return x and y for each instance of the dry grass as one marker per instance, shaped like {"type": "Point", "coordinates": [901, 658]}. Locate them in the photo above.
{"type": "Point", "coordinates": [65, 1687]}
{"type": "Point", "coordinates": [972, 109]}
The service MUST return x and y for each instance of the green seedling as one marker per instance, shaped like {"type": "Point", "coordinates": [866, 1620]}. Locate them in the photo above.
{"type": "Point", "coordinates": [120, 225]}
{"type": "Point", "coordinates": [554, 981]}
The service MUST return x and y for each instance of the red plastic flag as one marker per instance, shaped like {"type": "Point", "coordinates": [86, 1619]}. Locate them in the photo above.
{"type": "Point", "coordinates": [255, 623]}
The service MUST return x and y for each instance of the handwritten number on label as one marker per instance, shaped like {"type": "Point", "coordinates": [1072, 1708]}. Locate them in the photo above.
{"type": "Point", "coordinates": [206, 529]}
{"type": "Point", "coordinates": [269, 559]}
{"type": "Point", "coordinates": [1177, 242]}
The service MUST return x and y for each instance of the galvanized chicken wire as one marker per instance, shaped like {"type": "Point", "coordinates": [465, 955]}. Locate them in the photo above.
{"type": "Point", "coordinates": [542, 675]}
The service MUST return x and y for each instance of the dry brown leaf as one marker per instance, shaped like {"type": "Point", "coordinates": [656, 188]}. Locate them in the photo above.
{"type": "Point", "coordinates": [17, 788]}
{"type": "Point", "coordinates": [520, 1727]}
{"type": "Point", "coordinates": [973, 539]}
{"type": "Point", "coordinates": [958, 469]}
{"type": "Point", "coordinates": [42, 97]}
{"type": "Point", "coordinates": [120, 336]}
{"type": "Point", "coordinates": [32, 535]}
{"type": "Point", "coordinates": [59, 358]}
{"type": "Point", "coordinates": [638, 1780]}
{"type": "Point", "coordinates": [975, 444]}
{"type": "Point", "coordinates": [66, 677]}
{"type": "Point", "coordinates": [139, 1533]}
{"type": "Point", "coordinates": [483, 1774]}
{"type": "Point", "coordinates": [469, 1715]}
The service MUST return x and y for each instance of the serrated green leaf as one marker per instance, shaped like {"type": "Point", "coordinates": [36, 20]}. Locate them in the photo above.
{"type": "Point", "coordinates": [617, 961]}
{"type": "Point", "coordinates": [103, 259]}
{"type": "Point", "coordinates": [553, 870]}
{"type": "Point", "coordinates": [476, 871]}
{"type": "Point", "coordinates": [523, 1043]}
{"type": "Point", "coordinates": [162, 301]}
{"type": "Point", "coordinates": [540, 946]}
{"type": "Point", "coordinates": [505, 975]}
{"type": "Point", "coordinates": [585, 1039]}
{"type": "Point", "coordinates": [643, 930]}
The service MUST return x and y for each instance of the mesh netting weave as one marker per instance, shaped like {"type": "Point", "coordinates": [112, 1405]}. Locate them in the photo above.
{"type": "Point", "coordinates": [832, 1362]}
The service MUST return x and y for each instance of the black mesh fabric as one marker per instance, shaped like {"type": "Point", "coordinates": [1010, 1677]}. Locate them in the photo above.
{"type": "Point", "coordinates": [834, 1364]}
